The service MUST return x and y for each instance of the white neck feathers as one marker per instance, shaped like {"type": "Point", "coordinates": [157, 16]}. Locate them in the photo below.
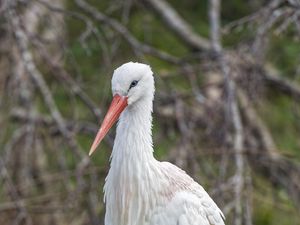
{"type": "Point", "coordinates": [132, 167]}
{"type": "Point", "coordinates": [134, 135]}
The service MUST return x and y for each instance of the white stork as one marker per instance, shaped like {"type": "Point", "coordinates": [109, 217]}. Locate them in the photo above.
{"type": "Point", "coordinates": [139, 190]}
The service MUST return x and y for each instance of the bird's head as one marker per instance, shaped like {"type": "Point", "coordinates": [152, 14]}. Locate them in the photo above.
{"type": "Point", "coordinates": [134, 81]}
{"type": "Point", "coordinates": [131, 83]}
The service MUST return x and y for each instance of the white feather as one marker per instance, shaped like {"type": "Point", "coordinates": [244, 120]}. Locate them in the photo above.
{"type": "Point", "coordinates": [139, 190]}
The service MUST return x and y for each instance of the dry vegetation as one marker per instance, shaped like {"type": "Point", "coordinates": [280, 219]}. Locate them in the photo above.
{"type": "Point", "coordinates": [226, 97]}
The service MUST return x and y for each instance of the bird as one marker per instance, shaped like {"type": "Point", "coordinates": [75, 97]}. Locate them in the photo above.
{"type": "Point", "coordinates": [140, 190]}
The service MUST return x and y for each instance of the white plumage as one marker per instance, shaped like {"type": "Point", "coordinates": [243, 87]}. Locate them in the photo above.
{"type": "Point", "coordinates": [139, 190]}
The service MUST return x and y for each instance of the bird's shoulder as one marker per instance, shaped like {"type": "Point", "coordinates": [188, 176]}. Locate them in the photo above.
{"type": "Point", "coordinates": [178, 179]}
{"type": "Point", "coordinates": [187, 198]}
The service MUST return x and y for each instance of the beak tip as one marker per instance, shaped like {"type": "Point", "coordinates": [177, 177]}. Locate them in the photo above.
{"type": "Point", "coordinates": [118, 104]}
{"type": "Point", "coordinates": [91, 151]}
{"type": "Point", "coordinates": [95, 145]}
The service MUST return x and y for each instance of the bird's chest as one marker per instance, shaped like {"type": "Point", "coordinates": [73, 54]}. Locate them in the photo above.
{"type": "Point", "coordinates": [129, 199]}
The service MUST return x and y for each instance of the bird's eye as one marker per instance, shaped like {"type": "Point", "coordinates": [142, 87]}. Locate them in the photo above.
{"type": "Point", "coordinates": [133, 84]}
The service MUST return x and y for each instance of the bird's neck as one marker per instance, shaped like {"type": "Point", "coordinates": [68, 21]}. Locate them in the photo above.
{"type": "Point", "coordinates": [133, 168]}
{"type": "Point", "coordinates": [133, 142]}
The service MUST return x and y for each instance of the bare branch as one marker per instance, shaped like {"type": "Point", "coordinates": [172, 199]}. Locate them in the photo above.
{"type": "Point", "coordinates": [214, 15]}
{"type": "Point", "coordinates": [38, 79]}
{"type": "Point", "coordinates": [175, 23]}
{"type": "Point", "coordinates": [287, 87]}
{"type": "Point", "coordinates": [235, 117]}
{"type": "Point", "coordinates": [114, 24]}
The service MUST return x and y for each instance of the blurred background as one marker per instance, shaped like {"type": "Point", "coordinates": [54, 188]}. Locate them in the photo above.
{"type": "Point", "coordinates": [226, 109]}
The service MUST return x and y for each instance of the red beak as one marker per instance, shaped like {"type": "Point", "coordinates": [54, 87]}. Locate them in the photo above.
{"type": "Point", "coordinates": [117, 106]}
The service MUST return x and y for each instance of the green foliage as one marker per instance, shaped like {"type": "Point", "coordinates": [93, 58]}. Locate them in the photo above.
{"type": "Point", "coordinates": [284, 52]}
{"type": "Point", "coordinates": [271, 207]}
{"type": "Point", "coordinates": [282, 118]}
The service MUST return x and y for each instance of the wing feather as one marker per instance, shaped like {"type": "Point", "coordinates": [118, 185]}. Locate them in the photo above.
{"type": "Point", "coordinates": [186, 202]}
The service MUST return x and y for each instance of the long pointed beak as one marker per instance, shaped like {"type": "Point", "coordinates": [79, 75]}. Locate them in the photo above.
{"type": "Point", "coordinates": [117, 106]}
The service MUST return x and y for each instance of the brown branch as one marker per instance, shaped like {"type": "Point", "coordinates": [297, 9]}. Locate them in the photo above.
{"type": "Point", "coordinates": [176, 24]}
{"type": "Point", "coordinates": [233, 110]}
{"type": "Point", "coordinates": [19, 115]}
{"type": "Point", "coordinates": [256, 123]}
{"type": "Point", "coordinates": [64, 76]}
{"type": "Point", "coordinates": [138, 46]}
{"type": "Point", "coordinates": [280, 171]}
{"type": "Point", "coordinates": [266, 160]}
{"type": "Point", "coordinates": [214, 15]}
{"type": "Point", "coordinates": [27, 58]}
{"type": "Point", "coordinates": [38, 80]}
{"type": "Point", "coordinates": [289, 88]}
{"type": "Point", "coordinates": [9, 185]}
{"type": "Point", "coordinates": [83, 127]}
